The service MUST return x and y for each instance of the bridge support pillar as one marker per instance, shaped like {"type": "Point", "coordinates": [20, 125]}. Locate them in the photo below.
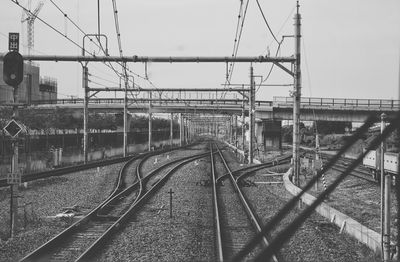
{"type": "Point", "coordinates": [270, 136]}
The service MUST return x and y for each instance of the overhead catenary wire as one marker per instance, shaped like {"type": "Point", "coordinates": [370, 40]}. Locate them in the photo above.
{"type": "Point", "coordinates": [108, 64]}
{"type": "Point", "coordinates": [237, 38]}
{"type": "Point", "coordinates": [266, 22]}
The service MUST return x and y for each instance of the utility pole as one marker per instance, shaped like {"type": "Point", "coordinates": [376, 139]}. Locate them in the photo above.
{"type": "Point", "coordinates": [296, 99]}
{"type": "Point", "coordinates": [181, 131]}
{"type": "Point", "coordinates": [171, 130]}
{"type": "Point", "coordinates": [235, 131]}
{"type": "Point", "coordinates": [13, 73]}
{"type": "Point", "coordinates": [126, 127]}
{"type": "Point", "coordinates": [85, 111]}
{"type": "Point", "coordinates": [243, 132]}
{"type": "Point", "coordinates": [150, 116]}
{"type": "Point", "coordinates": [251, 116]}
{"type": "Point", "coordinates": [15, 172]}
{"type": "Point", "coordinates": [386, 182]}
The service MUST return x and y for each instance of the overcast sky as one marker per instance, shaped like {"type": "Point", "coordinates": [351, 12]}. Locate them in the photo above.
{"type": "Point", "coordinates": [349, 48]}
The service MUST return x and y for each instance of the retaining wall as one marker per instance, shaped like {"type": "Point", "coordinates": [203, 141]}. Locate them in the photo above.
{"type": "Point", "coordinates": [362, 233]}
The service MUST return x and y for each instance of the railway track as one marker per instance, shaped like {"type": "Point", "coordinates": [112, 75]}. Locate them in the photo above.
{"type": "Point", "coordinates": [83, 240]}
{"type": "Point", "coordinates": [66, 170]}
{"type": "Point", "coordinates": [341, 165]}
{"type": "Point", "coordinates": [235, 223]}
{"type": "Point", "coordinates": [76, 168]}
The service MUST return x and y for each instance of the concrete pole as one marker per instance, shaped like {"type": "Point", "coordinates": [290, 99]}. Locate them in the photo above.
{"type": "Point", "coordinates": [386, 182]}
{"type": "Point", "coordinates": [243, 132]}
{"type": "Point", "coordinates": [185, 131]}
{"type": "Point", "coordinates": [85, 113]}
{"type": "Point", "coordinates": [386, 234]}
{"type": "Point", "coordinates": [189, 135]}
{"type": "Point", "coordinates": [235, 131]}
{"type": "Point", "coordinates": [180, 130]}
{"type": "Point", "coordinates": [316, 155]}
{"type": "Point", "coordinates": [15, 173]}
{"type": "Point", "coordinates": [150, 116]}
{"type": "Point", "coordinates": [126, 117]}
{"type": "Point", "coordinates": [251, 117]}
{"type": "Point", "coordinates": [296, 99]}
{"type": "Point", "coordinates": [171, 130]}
{"type": "Point", "coordinates": [231, 130]}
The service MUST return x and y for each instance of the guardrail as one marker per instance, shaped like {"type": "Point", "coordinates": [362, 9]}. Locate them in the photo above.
{"type": "Point", "coordinates": [339, 102]}
{"type": "Point", "coordinates": [154, 102]}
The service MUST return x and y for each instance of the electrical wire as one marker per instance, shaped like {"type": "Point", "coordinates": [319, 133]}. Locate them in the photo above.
{"type": "Point", "coordinates": [266, 22]}
{"type": "Point", "coordinates": [237, 41]}
{"type": "Point", "coordinates": [69, 39]}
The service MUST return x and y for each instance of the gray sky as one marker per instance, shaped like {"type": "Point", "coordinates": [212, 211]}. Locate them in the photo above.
{"type": "Point", "coordinates": [350, 48]}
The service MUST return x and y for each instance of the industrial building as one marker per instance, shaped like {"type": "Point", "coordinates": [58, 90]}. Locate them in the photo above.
{"type": "Point", "coordinates": [33, 87]}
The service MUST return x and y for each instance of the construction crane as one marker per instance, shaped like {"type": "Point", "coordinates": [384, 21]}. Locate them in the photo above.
{"type": "Point", "coordinates": [30, 20]}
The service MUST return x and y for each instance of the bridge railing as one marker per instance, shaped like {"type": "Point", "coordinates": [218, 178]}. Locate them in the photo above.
{"type": "Point", "coordinates": [339, 102]}
{"type": "Point", "coordinates": [155, 102]}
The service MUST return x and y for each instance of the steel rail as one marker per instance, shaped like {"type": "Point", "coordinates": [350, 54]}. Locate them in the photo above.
{"type": "Point", "coordinates": [217, 222]}
{"type": "Point", "coordinates": [89, 253]}
{"type": "Point", "coordinates": [66, 170]}
{"type": "Point", "coordinates": [257, 167]}
{"type": "Point", "coordinates": [356, 173]}
{"type": "Point", "coordinates": [59, 238]}
{"type": "Point", "coordinates": [159, 59]}
{"type": "Point", "coordinates": [139, 183]}
{"type": "Point", "coordinates": [53, 242]}
{"type": "Point", "coordinates": [253, 219]}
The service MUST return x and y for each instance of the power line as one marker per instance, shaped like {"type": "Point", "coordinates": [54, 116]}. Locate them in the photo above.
{"type": "Point", "coordinates": [237, 39]}
{"type": "Point", "coordinates": [65, 36]}
{"type": "Point", "coordinates": [266, 22]}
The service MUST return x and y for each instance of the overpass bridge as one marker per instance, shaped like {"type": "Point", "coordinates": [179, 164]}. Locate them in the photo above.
{"type": "Point", "coordinates": [281, 108]}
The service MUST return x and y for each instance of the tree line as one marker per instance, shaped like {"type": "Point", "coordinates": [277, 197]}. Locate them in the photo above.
{"type": "Point", "coordinates": [61, 119]}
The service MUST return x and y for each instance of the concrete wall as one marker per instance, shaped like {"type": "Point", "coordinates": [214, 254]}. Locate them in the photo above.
{"type": "Point", "coordinates": [363, 234]}
{"type": "Point", "coordinates": [272, 133]}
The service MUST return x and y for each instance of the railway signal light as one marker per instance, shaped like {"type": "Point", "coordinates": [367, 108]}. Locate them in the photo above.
{"type": "Point", "coordinates": [13, 68]}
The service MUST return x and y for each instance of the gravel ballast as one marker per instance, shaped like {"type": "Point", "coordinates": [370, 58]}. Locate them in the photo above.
{"type": "Point", "coordinates": [46, 198]}
{"type": "Point", "coordinates": [152, 235]}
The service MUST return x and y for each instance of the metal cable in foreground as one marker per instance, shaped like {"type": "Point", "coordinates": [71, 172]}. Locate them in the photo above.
{"type": "Point", "coordinates": [291, 204]}
{"type": "Point", "coordinates": [289, 231]}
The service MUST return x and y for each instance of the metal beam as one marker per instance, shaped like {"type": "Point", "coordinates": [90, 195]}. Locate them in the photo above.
{"type": "Point", "coordinates": [284, 68]}
{"type": "Point", "coordinates": [113, 89]}
{"type": "Point", "coordinates": [160, 59]}
{"type": "Point", "coordinates": [257, 85]}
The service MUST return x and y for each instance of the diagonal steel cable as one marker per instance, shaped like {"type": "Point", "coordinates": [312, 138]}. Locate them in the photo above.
{"type": "Point", "coordinates": [291, 204]}
{"type": "Point", "coordinates": [289, 231]}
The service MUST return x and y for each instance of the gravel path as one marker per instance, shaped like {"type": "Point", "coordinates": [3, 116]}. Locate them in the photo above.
{"type": "Point", "coordinates": [48, 197]}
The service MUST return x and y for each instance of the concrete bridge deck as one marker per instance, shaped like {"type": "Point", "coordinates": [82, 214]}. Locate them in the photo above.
{"type": "Point", "coordinates": [330, 109]}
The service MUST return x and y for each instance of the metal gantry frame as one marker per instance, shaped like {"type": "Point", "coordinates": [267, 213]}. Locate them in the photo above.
{"type": "Point", "coordinates": [192, 59]}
